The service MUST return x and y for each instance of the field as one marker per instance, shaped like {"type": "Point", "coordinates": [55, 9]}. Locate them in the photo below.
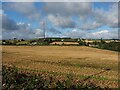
{"type": "Point", "coordinates": [77, 61]}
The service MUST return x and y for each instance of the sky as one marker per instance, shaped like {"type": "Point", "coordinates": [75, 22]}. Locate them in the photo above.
{"type": "Point", "coordinates": [88, 20]}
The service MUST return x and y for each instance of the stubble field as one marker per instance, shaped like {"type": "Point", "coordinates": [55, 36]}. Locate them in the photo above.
{"type": "Point", "coordinates": [78, 61]}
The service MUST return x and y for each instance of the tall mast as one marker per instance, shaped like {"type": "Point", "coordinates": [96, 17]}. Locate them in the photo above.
{"type": "Point", "coordinates": [44, 29]}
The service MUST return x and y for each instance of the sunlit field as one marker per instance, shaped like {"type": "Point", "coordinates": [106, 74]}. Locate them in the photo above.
{"type": "Point", "coordinates": [78, 61]}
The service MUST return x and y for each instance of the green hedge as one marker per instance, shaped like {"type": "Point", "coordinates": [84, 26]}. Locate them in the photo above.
{"type": "Point", "coordinates": [15, 80]}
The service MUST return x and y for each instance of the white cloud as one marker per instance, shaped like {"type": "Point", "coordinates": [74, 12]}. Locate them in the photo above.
{"type": "Point", "coordinates": [23, 33]}
{"type": "Point", "coordinates": [38, 33]}
{"type": "Point", "coordinates": [62, 15]}
{"type": "Point", "coordinates": [19, 0]}
{"type": "Point", "coordinates": [61, 21]}
{"type": "Point", "coordinates": [100, 32]}
{"type": "Point", "coordinates": [27, 9]}
{"type": "Point", "coordinates": [101, 17]}
{"type": "Point", "coordinates": [60, 1]}
{"type": "Point", "coordinates": [105, 34]}
{"type": "Point", "coordinates": [69, 8]}
{"type": "Point", "coordinates": [109, 17]}
{"type": "Point", "coordinates": [11, 29]}
{"type": "Point", "coordinates": [90, 25]}
{"type": "Point", "coordinates": [76, 33]}
{"type": "Point", "coordinates": [84, 11]}
{"type": "Point", "coordinates": [53, 31]}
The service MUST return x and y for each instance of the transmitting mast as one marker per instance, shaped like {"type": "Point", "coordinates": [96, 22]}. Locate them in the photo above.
{"type": "Point", "coordinates": [43, 26]}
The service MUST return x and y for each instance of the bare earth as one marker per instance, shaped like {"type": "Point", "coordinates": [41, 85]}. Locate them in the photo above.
{"type": "Point", "coordinates": [78, 60]}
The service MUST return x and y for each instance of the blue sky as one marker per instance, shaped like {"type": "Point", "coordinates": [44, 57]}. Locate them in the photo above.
{"type": "Point", "coordinates": [90, 20]}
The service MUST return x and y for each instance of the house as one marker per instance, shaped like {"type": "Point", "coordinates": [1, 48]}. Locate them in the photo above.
{"type": "Point", "coordinates": [33, 43]}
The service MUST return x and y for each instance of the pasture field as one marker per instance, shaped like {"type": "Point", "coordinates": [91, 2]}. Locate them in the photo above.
{"type": "Point", "coordinates": [78, 61]}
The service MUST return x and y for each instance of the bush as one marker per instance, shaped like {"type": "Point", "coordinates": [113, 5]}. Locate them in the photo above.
{"type": "Point", "coordinates": [16, 80]}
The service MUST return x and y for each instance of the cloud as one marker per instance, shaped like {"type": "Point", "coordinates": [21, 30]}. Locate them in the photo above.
{"type": "Point", "coordinates": [109, 18]}
{"type": "Point", "coordinates": [8, 24]}
{"type": "Point", "coordinates": [1, 12]}
{"type": "Point", "coordinates": [23, 34]}
{"type": "Point", "coordinates": [101, 17]}
{"type": "Point", "coordinates": [68, 8]}
{"type": "Point", "coordinates": [105, 34]}
{"type": "Point", "coordinates": [61, 21]}
{"type": "Point", "coordinates": [75, 33]}
{"type": "Point", "coordinates": [27, 9]}
{"type": "Point", "coordinates": [23, 25]}
{"type": "Point", "coordinates": [54, 31]}
{"type": "Point", "coordinates": [60, 1]}
{"type": "Point", "coordinates": [62, 16]}
{"type": "Point", "coordinates": [90, 25]}
{"type": "Point", "coordinates": [38, 33]}
{"type": "Point", "coordinates": [11, 25]}
{"type": "Point", "coordinates": [83, 10]}
{"type": "Point", "coordinates": [12, 29]}
{"type": "Point", "coordinates": [20, 0]}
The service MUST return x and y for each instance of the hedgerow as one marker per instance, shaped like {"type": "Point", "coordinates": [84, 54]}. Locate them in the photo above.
{"type": "Point", "coordinates": [15, 80]}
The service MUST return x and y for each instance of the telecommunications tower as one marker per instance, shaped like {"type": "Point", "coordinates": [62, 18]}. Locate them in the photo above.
{"type": "Point", "coordinates": [43, 26]}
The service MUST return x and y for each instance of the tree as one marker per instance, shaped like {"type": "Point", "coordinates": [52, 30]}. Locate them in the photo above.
{"type": "Point", "coordinates": [102, 41]}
